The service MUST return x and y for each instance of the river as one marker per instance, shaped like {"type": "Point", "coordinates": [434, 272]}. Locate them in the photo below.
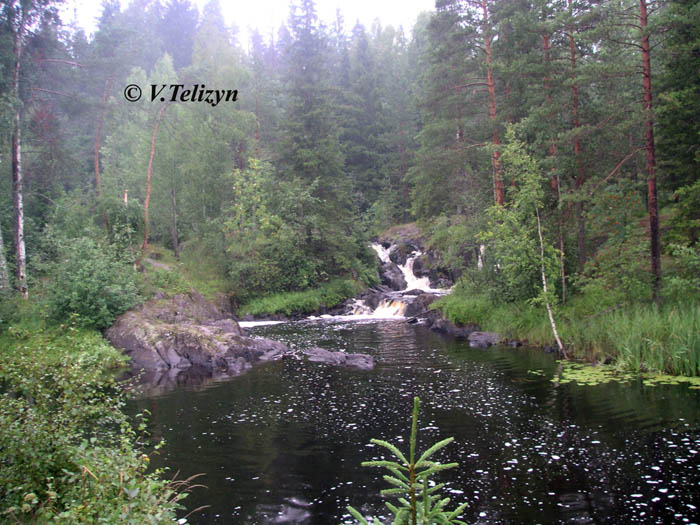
{"type": "Point", "coordinates": [283, 442]}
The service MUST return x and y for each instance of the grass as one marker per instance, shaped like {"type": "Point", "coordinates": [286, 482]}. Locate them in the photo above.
{"type": "Point", "coordinates": [305, 301]}
{"type": "Point", "coordinates": [636, 338]}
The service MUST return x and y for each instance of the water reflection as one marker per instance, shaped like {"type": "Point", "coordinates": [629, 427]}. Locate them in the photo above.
{"type": "Point", "coordinates": [283, 443]}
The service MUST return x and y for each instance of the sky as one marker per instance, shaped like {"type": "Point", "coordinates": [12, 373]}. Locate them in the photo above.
{"type": "Point", "coordinates": [268, 15]}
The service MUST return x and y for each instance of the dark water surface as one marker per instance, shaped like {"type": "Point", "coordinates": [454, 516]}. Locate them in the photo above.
{"type": "Point", "coordinates": [283, 443]}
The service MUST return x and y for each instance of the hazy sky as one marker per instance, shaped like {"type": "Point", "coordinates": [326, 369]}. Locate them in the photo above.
{"type": "Point", "coordinates": [269, 14]}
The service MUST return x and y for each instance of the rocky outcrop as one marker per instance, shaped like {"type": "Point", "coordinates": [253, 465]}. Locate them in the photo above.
{"type": "Point", "coordinates": [429, 265]}
{"type": "Point", "coordinates": [187, 340]}
{"type": "Point", "coordinates": [187, 331]}
{"type": "Point", "coordinates": [401, 251]}
{"type": "Point", "coordinates": [471, 333]}
{"type": "Point", "coordinates": [392, 276]}
{"type": "Point", "coordinates": [419, 305]}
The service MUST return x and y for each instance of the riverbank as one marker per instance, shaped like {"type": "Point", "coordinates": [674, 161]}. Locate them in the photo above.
{"type": "Point", "coordinates": [302, 303]}
{"type": "Point", "coordinates": [70, 454]}
{"type": "Point", "coordinates": [633, 338]}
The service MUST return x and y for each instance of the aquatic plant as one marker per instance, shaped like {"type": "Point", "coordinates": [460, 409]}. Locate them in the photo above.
{"type": "Point", "coordinates": [419, 499]}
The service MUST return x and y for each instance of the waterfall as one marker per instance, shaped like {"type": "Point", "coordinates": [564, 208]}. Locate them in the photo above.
{"type": "Point", "coordinates": [359, 308]}
{"type": "Point", "coordinates": [382, 252]}
{"type": "Point", "coordinates": [413, 282]}
{"type": "Point", "coordinates": [390, 308]}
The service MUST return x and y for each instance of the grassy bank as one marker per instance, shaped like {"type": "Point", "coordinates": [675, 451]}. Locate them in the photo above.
{"type": "Point", "coordinates": [69, 454]}
{"type": "Point", "coordinates": [303, 302]}
{"type": "Point", "coordinates": [636, 338]}
{"type": "Point", "coordinates": [195, 269]}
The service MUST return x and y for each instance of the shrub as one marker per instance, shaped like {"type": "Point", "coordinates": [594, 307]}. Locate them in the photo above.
{"type": "Point", "coordinates": [91, 281]}
{"type": "Point", "coordinates": [68, 451]}
{"type": "Point", "coordinates": [419, 499]}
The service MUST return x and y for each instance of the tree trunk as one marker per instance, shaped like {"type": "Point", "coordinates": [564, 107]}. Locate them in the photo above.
{"type": "Point", "coordinates": [4, 273]}
{"type": "Point", "coordinates": [498, 191]}
{"type": "Point", "coordinates": [20, 254]}
{"type": "Point", "coordinates": [548, 96]}
{"type": "Point", "coordinates": [556, 187]}
{"type": "Point", "coordinates": [98, 140]}
{"type": "Point", "coordinates": [148, 179]}
{"type": "Point", "coordinates": [581, 174]}
{"type": "Point", "coordinates": [173, 226]}
{"type": "Point", "coordinates": [651, 160]}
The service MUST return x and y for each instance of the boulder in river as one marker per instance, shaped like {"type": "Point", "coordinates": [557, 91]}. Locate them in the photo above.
{"type": "Point", "coordinates": [401, 251]}
{"type": "Point", "coordinates": [429, 265]}
{"type": "Point", "coordinates": [392, 276]}
{"type": "Point", "coordinates": [439, 324]}
{"type": "Point", "coordinates": [321, 355]}
{"type": "Point", "coordinates": [185, 331]}
{"type": "Point", "coordinates": [484, 339]}
{"type": "Point", "coordinates": [419, 305]}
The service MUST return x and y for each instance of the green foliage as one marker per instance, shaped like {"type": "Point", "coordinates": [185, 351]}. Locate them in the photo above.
{"type": "Point", "coordinates": [170, 281]}
{"type": "Point", "coordinates": [684, 282]}
{"type": "Point", "coordinates": [454, 238]}
{"type": "Point", "coordinates": [276, 241]}
{"type": "Point", "coordinates": [685, 222]}
{"type": "Point", "coordinates": [303, 302]}
{"type": "Point", "coordinates": [511, 233]}
{"type": "Point", "coordinates": [642, 338]}
{"type": "Point", "coordinates": [69, 454]}
{"type": "Point", "coordinates": [90, 280]}
{"type": "Point", "coordinates": [419, 498]}
{"type": "Point", "coordinates": [678, 103]}
{"type": "Point", "coordinates": [598, 324]}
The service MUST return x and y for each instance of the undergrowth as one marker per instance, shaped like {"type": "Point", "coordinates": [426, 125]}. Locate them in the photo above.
{"type": "Point", "coordinates": [69, 453]}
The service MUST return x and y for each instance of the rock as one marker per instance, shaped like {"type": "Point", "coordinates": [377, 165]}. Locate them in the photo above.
{"type": "Point", "coordinates": [225, 303]}
{"type": "Point", "coordinates": [321, 355]}
{"type": "Point", "coordinates": [360, 361]}
{"type": "Point", "coordinates": [187, 331]}
{"type": "Point", "coordinates": [429, 265]}
{"type": "Point", "coordinates": [401, 251]}
{"type": "Point", "coordinates": [372, 300]}
{"type": "Point", "coordinates": [438, 324]}
{"type": "Point", "coordinates": [484, 339]}
{"type": "Point", "coordinates": [419, 305]}
{"type": "Point", "coordinates": [187, 308]}
{"type": "Point", "coordinates": [392, 276]}
{"type": "Point", "coordinates": [415, 291]}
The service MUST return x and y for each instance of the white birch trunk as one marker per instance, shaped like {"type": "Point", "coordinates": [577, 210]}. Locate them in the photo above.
{"type": "Point", "coordinates": [544, 288]}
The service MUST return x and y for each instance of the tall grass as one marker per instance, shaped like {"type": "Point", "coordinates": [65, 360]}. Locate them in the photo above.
{"type": "Point", "coordinates": [637, 338]}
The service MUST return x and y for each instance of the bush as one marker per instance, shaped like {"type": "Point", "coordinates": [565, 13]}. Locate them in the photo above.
{"type": "Point", "coordinates": [91, 281]}
{"type": "Point", "coordinates": [68, 451]}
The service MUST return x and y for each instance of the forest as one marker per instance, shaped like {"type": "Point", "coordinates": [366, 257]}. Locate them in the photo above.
{"type": "Point", "coordinates": [547, 151]}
